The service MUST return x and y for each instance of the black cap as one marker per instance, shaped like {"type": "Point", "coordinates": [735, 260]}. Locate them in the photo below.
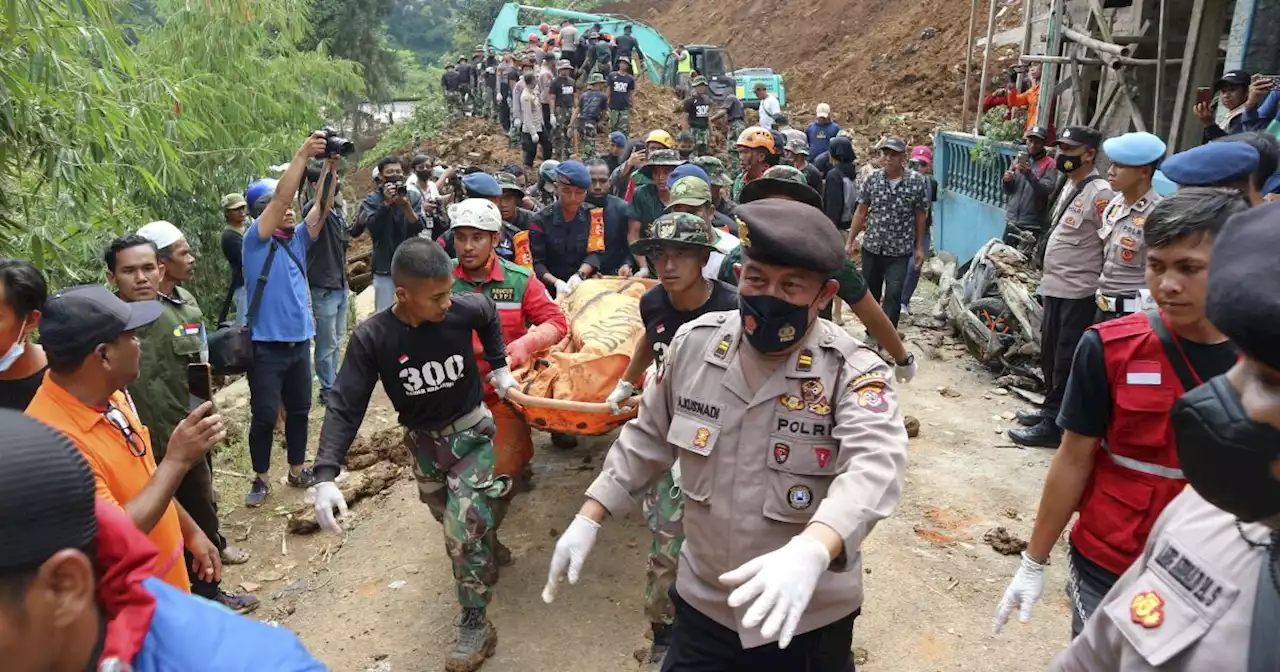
{"type": "Point", "coordinates": [789, 233]}
{"type": "Point", "coordinates": [1076, 136]}
{"type": "Point", "coordinates": [1243, 298]}
{"type": "Point", "coordinates": [1037, 132]}
{"type": "Point", "coordinates": [1233, 78]}
{"type": "Point", "coordinates": [78, 319]}
{"type": "Point", "coordinates": [46, 493]}
{"type": "Point", "coordinates": [893, 144]}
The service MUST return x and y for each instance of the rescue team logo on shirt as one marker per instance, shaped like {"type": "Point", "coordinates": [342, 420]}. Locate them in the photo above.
{"type": "Point", "coordinates": [431, 376]}
{"type": "Point", "coordinates": [698, 407]}
{"type": "Point", "coordinates": [799, 497]}
{"type": "Point", "coordinates": [503, 293]}
{"type": "Point", "coordinates": [781, 452]}
{"type": "Point", "coordinates": [1147, 609]}
{"type": "Point", "coordinates": [823, 455]}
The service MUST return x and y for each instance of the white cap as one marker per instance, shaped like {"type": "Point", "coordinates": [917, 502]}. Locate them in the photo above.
{"type": "Point", "coordinates": [824, 111]}
{"type": "Point", "coordinates": [476, 213]}
{"type": "Point", "coordinates": [162, 233]}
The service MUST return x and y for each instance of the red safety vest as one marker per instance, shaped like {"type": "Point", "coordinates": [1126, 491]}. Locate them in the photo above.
{"type": "Point", "coordinates": [1136, 473]}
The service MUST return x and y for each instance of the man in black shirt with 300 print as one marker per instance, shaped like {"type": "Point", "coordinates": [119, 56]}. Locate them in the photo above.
{"type": "Point", "coordinates": [421, 350]}
{"type": "Point", "coordinates": [680, 246]}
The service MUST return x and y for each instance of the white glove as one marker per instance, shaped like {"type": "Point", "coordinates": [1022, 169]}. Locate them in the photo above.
{"type": "Point", "coordinates": [1023, 592]}
{"type": "Point", "coordinates": [571, 551]}
{"type": "Point", "coordinates": [329, 496]}
{"type": "Point", "coordinates": [905, 372]}
{"type": "Point", "coordinates": [553, 120]}
{"type": "Point", "coordinates": [534, 135]}
{"type": "Point", "coordinates": [779, 585]}
{"type": "Point", "coordinates": [621, 392]}
{"type": "Point", "coordinates": [562, 289]}
{"type": "Point", "coordinates": [574, 281]}
{"type": "Point", "coordinates": [502, 380]}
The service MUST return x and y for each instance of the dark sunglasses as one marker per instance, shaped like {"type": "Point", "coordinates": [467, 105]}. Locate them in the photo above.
{"type": "Point", "coordinates": [121, 422]}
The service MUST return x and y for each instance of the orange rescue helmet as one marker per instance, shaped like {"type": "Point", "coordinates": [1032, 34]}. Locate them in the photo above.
{"type": "Point", "coordinates": [756, 136]}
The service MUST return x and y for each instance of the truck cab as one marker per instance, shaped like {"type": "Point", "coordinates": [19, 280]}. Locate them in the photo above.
{"type": "Point", "coordinates": [711, 62]}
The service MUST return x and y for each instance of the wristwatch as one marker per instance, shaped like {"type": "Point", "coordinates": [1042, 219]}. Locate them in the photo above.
{"type": "Point", "coordinates": [911, 359]}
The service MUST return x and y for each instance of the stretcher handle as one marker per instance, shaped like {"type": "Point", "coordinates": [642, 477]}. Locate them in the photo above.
{"type": "Point", "coordinates": [564, 404]}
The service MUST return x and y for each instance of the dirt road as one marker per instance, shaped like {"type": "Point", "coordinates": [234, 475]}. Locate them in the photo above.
{"type": "Point", "coordinates": [382, 598]}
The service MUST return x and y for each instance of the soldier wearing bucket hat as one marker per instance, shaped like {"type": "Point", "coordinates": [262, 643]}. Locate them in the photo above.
{"type": "Point", "coordinates": [797, 559]}
{"type": "Point", "coordinates": [650, 198]}
{"type": "Point", "coordinates": [691, 194]}
{"type": "Point", "coordinates": [697, 110]}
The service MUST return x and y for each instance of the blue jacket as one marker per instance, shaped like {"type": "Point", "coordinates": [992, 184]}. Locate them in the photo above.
{"type": "Point", "coordinates": [189, 634]}
{"type": "Point", "coordinates": [820, 135]}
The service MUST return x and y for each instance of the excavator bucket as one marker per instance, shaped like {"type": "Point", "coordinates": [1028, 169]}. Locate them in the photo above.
{"type": "Point", "coordinates": [564, 387]}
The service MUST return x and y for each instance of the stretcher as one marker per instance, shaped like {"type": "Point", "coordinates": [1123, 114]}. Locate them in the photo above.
{"type": "Point", "coordinates": [563, 389]}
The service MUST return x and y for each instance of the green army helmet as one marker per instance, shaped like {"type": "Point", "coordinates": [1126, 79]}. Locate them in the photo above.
{"type": "Point", "coordinates": [678, 229]}
{"type": "Point", "coordinates": [798, 146]}
{"type": "Point", "coordinates": [785, 181]}
{"type": "Point", "coordinates": [699, 81]}
{"type": "Point", "coordinates": [714, 168]}
{"type": "Point", "coordinates": [689, 190]}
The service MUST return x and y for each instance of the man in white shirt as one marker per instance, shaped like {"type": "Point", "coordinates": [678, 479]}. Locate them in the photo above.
{"type": "Point", "coordinates": [769, 107]}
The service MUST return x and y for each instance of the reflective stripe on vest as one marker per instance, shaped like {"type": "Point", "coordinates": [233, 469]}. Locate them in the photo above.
{"type": "Point", "coordinates": [1146, 467]}
{"type": "Point", "coordinates": [507, 305]}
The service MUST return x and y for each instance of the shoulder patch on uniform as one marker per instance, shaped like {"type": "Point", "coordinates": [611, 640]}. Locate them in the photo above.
{"type": "Point", "coordinates": [868, 380]}
{"type": "Point", "coordinates": [1147, 609]}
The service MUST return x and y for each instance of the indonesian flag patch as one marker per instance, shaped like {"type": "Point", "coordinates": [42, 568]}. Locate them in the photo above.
{"type": "Point", "coordinates": [1141, 372]}
{"type": "Point", "coordinates": [187, 330]}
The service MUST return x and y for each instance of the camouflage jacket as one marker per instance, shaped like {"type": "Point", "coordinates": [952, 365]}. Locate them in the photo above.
{"type": "Point", "coordinates": [168, 345]}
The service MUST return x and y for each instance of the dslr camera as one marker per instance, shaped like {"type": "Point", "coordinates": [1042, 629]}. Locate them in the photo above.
{"type": "Point", "coordinates": [335, 145]}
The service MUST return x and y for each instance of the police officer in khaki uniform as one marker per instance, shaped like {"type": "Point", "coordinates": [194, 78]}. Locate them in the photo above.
{"type": "Point", "coordinates": [1072, 263]}
{"type": "Point", "coordinates": [1122, 286]}
{"type": "Point", "coordinates": [790, 445]}
{"type": "Point", "coordinates": [1205, 594]}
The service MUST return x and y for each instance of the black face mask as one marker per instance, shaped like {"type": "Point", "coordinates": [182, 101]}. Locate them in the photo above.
{"type": "Point", "coordinates": [1225, 455]}
{"type": "Point", "coordinates": [423, 175]}
{"type": "Point", "coordinates": [771, 324]}
{"type": "Point", "coordinates": [1068, 164]}
{"type": "Point", "coordinates": [686, 154]}
{"type": "Point", "coordinates": [598, 201]}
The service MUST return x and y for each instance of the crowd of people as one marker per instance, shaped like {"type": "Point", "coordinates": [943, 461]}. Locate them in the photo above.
{"type": "Point", "coordinates": [755, 416]}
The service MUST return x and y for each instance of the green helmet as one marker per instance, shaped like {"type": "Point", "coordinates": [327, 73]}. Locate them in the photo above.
{"type": "Point", "coordinates": [781, 182]}
{"type": "Point", "coordinates": [679, 229]}
{"type": "Point", "coordinates": [664, 157]}
{"type": "Point", "coordinates": [689, 190]}
{"type": "Point", "coordinates": [714, 168]}
{"type": "Point", "coordinates": [595, 78]}
{"type": "Point", "coordinates": [798, 146]}
{"type": "Point", "coordinates": [699, 81]}
{"type": "Point", "coordinates": [508, 182]}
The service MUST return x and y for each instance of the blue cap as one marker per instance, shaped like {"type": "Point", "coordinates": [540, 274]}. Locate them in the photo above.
{"type": "Point", "coordinates": [1211, 164]}
{"type": "Point", "coordinates": [1272, 185]}
{"type": "Point", "coordinates": [575, 172]}
{"type": "Point", "coordinates": [685, 171]}
{"type": "Point", "coordinates": [481, 185]}
{"type": "Point", "coordinates": [1162, 184]}
{"type": "Point", "coordinates": [1134, 149]}
{"type": "Point", "coordinates": [618, 138]}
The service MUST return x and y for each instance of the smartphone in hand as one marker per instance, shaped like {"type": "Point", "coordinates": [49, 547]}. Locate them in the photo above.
{"type": "Point", "coordinates": [199, 385]}
{"type": "Point", "coordinates": [1204, 94]}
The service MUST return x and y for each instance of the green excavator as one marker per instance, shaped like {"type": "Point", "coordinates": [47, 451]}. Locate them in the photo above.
{"type": "Point", "coordinates": [713, 62]}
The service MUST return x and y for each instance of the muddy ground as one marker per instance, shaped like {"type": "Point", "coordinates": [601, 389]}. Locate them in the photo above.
{"type": "Point", "coordinates": [381, 596]}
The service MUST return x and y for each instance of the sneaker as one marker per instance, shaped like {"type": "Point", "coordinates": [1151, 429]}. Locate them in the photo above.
{"type": "Point", "coordinates": [477, 640]}
{"type": "Point", "coordinates": [242, 603]}
{"type": "Point", "coordinates": [1045, 434]}
{"type": "Point", "coordinates": [303, 479]}
{"type": "Point", "coordinates": [257, 492]}
{"type": "Point", "coordinates": [232, 555]}
{"type": "Point", "coordinates": [1030, 418]}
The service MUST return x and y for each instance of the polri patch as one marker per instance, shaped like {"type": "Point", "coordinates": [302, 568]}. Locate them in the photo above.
{"type": "Point", "coordinates": [799, 497]}
{"type": "Point", "coordinates": [872, 399]}
{"type": "Point", "coordinates": [1147, 609]}
{"type": "Point", "coordinates": [786, 333]}
{"type": "Point", "coordinates": [503, 294]}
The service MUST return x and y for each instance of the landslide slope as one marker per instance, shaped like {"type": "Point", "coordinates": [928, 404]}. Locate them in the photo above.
{"type": "Point", "coordinates": [884, 66]}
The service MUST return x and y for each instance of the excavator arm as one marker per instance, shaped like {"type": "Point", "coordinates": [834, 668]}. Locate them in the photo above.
{"type": "Point", "coordinates": [508, 33]}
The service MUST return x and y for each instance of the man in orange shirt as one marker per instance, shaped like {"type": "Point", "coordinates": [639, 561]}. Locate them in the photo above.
{"type": "Point", "coordinates": [1029, 99]}
{"type": "Point", "coordinates": [87, 334]}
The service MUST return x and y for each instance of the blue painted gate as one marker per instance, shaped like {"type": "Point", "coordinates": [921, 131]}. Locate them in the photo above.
{"type": "Point", "coordinates": [970, 207]}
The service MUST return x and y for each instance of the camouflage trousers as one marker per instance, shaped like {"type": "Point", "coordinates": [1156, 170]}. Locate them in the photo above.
{"type": "Point", "coordinates": [561, 139]}
{"type": "Point", "coordinates": [457, 481]}
{"type": "Point", "coordinates": [513, 133]}
{"type": "Point", "coordinates": [620, 120]}
{"type": "Point", "coordinates": [452, 104]}
{"type": "Point", "coordinates": [587, 132]}
{"type": "Point", "coordinates": [701, 141]}
{"type": "Point", "coordinates": [491, 103]}
{"type": "Point", "coordinates": [664, 514]}
{"type": "Point", "coordinates": [466, 100]}
{"type": "Point", "coordinates": [731, 144]}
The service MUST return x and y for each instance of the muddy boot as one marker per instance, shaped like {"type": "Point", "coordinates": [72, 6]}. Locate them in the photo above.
{"type": "Point", "coordinates": [658, 649]}
{"type": "Point", "coordinates": [477, 639]}
{"type": "Point", "coordinates": [501, 553]}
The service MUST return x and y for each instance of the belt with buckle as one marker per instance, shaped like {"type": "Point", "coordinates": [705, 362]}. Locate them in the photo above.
{"type": "Point", "coordinates": [462, 424]}
{"type": "Point", "coordinates": [1117, 304]}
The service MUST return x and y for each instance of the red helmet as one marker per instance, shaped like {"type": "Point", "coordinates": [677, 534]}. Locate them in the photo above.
{"type": "Point", "coordinates": [533, 37]}
{"type": "Point", "coordinates": [544, 28]}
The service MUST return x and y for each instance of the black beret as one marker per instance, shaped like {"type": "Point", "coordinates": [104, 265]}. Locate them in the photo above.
{"type": "Point", "coordinates": [1243, 299]}
{"type": "Point", "coordinates": [46, 493]}
{"type": "Point", "coordinates": [789, 233]}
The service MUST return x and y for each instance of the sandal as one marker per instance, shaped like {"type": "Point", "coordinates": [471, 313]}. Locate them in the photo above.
{"type": "Point", "coordinates": [234, 556]}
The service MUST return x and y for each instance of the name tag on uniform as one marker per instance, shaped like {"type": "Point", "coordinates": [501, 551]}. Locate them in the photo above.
{"type": "Point", "coordinates": [503, 294]}
{"type": "Point", "coordinates": [1143, 373]}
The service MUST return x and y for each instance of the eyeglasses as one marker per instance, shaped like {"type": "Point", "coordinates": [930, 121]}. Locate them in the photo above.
{"type": "Point", "coordinates": [118, 419]}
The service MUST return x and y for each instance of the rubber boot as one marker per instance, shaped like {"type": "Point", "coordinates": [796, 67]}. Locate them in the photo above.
{"type": "Point", "coordinates": [477, 640]}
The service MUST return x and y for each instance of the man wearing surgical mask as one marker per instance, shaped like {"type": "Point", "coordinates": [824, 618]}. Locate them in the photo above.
{"type": "Point", "coordinates": [1204, 594]}
{"type": "Point", "coordinates": [22, 363]}
{"type": "Point", "coordinates": [1118, 465]}
{"type": "Point", "coordinates": [790, 447]}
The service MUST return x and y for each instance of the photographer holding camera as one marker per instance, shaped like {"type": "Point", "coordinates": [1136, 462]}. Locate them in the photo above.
{"type": "Point", "coordinates": [393, 214]}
